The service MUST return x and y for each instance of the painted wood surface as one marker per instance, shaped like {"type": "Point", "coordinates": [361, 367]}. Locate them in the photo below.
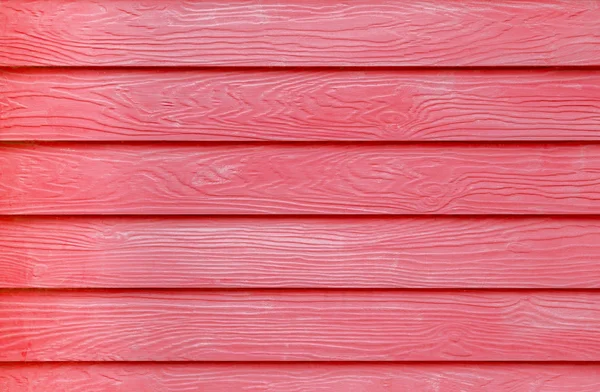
{"type": "Point", "coordinates": [302, 325]}
{"type": "Point", "coordinates": [259, 252]}
{"type": "Point", "coordinates": [299, 105]}
{"type": "Point", "coordinates": [307, 179]}
{"type": "Point", "coordinates": [268, 195]}
{"type": "Point", "coordinates": [313, 33]}
{"type": "Point", "coordinates": [322, 377]}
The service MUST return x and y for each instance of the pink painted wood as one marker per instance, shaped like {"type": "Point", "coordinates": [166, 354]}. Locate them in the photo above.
{"type": "Point", "coordinates": [397, 252]}
{"type": "Point", "coordinates": [299, 178]}
{"type": "Point", "coordinates": [299, 105]}
{"type": "Point", "coordinates": [313, 192]}
{"type": "Point", "coordinates": [299, 33]}
{"type": "Point", "coordinates": [299, 325]}
{"type": "Point", "coordinates": [299, 377]}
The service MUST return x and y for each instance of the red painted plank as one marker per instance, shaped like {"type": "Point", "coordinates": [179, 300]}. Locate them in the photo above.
{"type": "Point", "coordinates": [335, 179]}
{"type": "Point", "coordinates": [299, 325]}
{"type": "Point", "coordinates": [451, 252]}
{"type": "Point", "coordinates": [281, 33]}
{"type": "Point", "coordinates": [322, 377]}
{"type": "Point", "coordinates": [84, 104]}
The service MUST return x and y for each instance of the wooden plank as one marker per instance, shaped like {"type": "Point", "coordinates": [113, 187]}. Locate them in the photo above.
{"type": "Point", "coordinates": [322, 377]}
{"type": "Point", "coordinates": [299, 105]}
{"type": "Point", "coordinates": [313, 33]}
{"type": "Point", "coordinates": [299, 178]}
{"type": "Point", "coordinates": [302, 325]}
{"type": "Point", "coordinates": [451, 252]}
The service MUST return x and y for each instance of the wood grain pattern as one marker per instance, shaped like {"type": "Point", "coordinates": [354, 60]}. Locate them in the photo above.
{"type": "Point", "coordinates": [452, 252]}
{"type": "Point", "coordinates": [282, 33]}
{"type": "Point", "coordinates": [183, 257]}
{"type": "Point", "coordinates": [299, 325]}
{"type": "Point", "coordinates": [322, 377]}
{"type": "Point", "coordinates": [318, 178]}
{"type": "Point", "coordinates": [304, 105]}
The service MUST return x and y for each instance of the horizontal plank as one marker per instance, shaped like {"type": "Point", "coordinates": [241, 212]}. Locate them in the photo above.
{"type": "Point", "coordinates": [299, 178]}
{"type": "Point", "coordinates": [301, 325]}
{"type": "Point", "coordinates": [283, 33]}
{"type": "Point", "coordinates": [188, 252]}
{"type": "Point", "coordinates": [298, 105]}
{"type": "Point", "coordinates": [322, 377]}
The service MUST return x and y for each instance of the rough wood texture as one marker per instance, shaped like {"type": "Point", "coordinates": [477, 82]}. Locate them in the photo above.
{"type": "Point", "coordinates": [322, 377]}
{"type": "Point", "coordinates": [336, 179]}
{"type": "Point", "coordinates": [281, 33]}
{"type": "Point", "coordinates": [452, 252]}
{"type": "Point", "coordinates": [299, 325]}
{"type": "Point", "coordinates": [213, 105]}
